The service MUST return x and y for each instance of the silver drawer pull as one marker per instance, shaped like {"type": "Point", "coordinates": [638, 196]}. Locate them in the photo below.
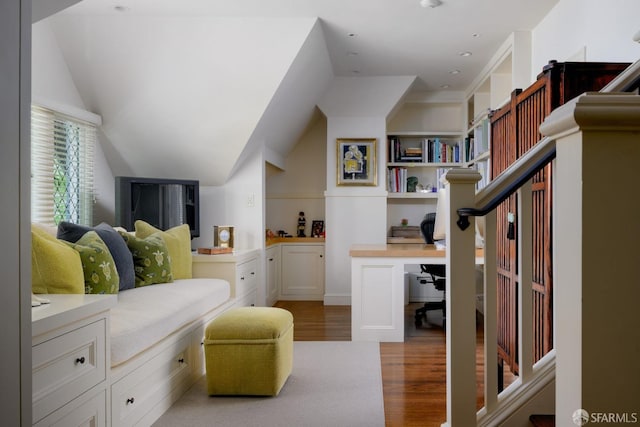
{"type": "Point", "coordinates": [181, 360]}
{"type": "Point", "coordinates": [80, 360]}
{"type": "Point", "coordinates": [130, 400]}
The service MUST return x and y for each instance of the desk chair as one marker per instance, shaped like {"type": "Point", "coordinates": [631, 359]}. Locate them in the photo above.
{"type": "Point", "coordinates": [435, 273]}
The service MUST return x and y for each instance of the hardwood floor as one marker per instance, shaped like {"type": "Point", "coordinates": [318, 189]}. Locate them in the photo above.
{"type": "Point", "coordinates": [413, 372]}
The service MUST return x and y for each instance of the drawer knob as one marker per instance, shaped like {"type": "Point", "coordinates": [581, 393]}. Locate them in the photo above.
{"type": "Point", "coordinates": [253, 273]}
{"type": "Point", "coordinates": [181, 360]}
{"type": "Point", "coordinates": [130, 400]}
{"type": "Point", "coordinates": [242, 278]}
{"type": "Point", "coordinates": [80, 360]}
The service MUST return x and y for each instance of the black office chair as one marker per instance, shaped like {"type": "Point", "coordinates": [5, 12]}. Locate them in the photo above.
{"type": "Point", "coordinates": [436, 274]}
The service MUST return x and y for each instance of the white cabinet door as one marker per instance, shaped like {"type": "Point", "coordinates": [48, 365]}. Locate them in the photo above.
{"type": "Point", "coordinates": [302, 272]}
{"type": "Point", "coordinates": [273, 274]}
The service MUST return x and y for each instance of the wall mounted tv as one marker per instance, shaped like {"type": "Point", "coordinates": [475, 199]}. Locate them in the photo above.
{"type": "Point", "coordinates": [163, 203]}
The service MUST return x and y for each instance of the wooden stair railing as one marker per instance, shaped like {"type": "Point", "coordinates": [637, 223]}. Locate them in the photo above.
{"type": "Point", "coordinates": [534, 376]}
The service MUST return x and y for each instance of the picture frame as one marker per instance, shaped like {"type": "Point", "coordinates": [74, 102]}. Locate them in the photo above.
{"type": "Point", "coordinates": [317, 228]}
{"type": "Point", "coordinates": [356, 161]}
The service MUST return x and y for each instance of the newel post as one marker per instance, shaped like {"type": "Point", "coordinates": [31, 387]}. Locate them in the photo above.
{"type": "Point", "coordinates": [597, 256]}
{"type": "Point", "coordinates": [461, 309]}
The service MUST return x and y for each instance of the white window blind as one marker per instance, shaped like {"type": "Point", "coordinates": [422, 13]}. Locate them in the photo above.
{"type": "Point", "coordinates": [62, 158]}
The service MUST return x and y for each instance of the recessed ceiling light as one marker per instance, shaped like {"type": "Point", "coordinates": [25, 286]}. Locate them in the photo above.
{"type": "Point", "coordinates": [352, 35]}
{"type": "Point", "coordinates": [120, 8]}
{"type": "Point", "coordinates": [465, 53]}
{"type": "Point", "coordinates": [355, 71]}
{"type": "Point", "coordinates": [475, 35]}
{"type": "Point", "coordinates": [444, 87]}
{"type": "Point", "coordinates": [352, 53]}
{"type": "Point", "coordinates": [430, 3]}
{"type": "Point", "coordinates": [454, 72]}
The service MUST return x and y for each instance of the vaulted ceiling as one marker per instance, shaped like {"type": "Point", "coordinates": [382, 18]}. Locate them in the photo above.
{"type": "Point", "coordinates": [183, 87]}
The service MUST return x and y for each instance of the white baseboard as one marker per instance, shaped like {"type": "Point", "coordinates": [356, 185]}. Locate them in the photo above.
{"type": "Point", "coordinates": [337, 299]}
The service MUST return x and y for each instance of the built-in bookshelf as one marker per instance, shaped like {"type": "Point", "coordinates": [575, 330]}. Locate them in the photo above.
{"type": "Point", "coordinates": [478, 147]}
{"type": "Point", "coordinates": [416, 162]}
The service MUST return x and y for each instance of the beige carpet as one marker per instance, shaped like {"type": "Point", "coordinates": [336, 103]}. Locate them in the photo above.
{"type": "Point", "coordinates": [337, 384]}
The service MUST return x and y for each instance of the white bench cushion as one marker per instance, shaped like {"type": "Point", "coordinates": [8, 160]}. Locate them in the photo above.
{"type": "Point", "coordinates": [146, 315]}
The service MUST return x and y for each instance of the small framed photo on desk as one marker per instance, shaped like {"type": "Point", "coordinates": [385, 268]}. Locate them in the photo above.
{"type": "Point", "coordinates": [317, 228]}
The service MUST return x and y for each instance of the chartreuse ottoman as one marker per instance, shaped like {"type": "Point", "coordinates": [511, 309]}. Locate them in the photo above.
{"type": "Point", "coordinates": [249, 351]}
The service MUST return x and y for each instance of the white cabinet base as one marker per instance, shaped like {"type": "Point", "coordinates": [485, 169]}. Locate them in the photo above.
{"type": "Point", "coordinates": [302, 273]}
{"type": "Point", "coordinates": [70, 360]}
{"type": "Point", "coordinates": [377, 295]}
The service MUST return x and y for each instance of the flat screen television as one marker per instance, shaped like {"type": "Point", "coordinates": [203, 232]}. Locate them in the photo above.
{"type": "Point", "coordinates": [163, 203]}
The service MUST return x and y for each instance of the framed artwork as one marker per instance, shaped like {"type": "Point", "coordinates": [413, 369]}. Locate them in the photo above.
{"type": "Point", "coordinates": [317, 228]}
{"type": "Point", "coordinates": [356, 161]}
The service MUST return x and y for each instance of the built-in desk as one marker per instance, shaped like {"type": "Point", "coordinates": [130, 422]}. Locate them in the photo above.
{"type": "Point", "coordinates": [377, 287]}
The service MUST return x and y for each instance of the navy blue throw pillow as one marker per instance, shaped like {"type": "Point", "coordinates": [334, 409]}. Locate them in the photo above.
{"type": "Point", "coordinates": [115, 243]}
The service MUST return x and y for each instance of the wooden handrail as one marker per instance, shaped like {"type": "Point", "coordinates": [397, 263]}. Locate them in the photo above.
{"type": "Point", "coordinates": [509, 180]}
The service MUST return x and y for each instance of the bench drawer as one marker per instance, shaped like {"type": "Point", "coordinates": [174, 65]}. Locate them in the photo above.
{"type": "Point", "coordinates": [246, 278]}
{"type": "Point", "coordinates": [138, 393]}
{"type": "Point", "coordinates": [89, 411]}
{"type": "Point", "coordinates": [67, 365]}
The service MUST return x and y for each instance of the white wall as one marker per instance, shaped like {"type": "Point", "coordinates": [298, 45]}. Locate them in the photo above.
{"type": "Point", "coordinates": [212, 212]}
{"type": "Point", "coordinates": [244, 209]}
{"type": "Point", "coordinates": [15, 263]}
{"type": "Point", "coordinates": [355, 108]}
{"type": "Point", "coordinates": [300, 186]}
{"type": "Point", "coordinates": [603, 29]}
{"type": "Point", "coordinates": [52, 84]}
{"type": "Point", "coordinates": [243, 203]}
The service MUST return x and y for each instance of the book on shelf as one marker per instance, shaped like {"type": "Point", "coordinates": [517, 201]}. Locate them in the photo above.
{"type": "Point", "coordinates": [481, 138]}
{"type": "Point", "coordinates": [424, 150]}
{"type": "Point", "coordinates": [482, 168]}
{"type": "Point", "coordinates": [443, 151]}
{"type": "Point", "coordinates": [215, 250]}
{"type": "Point", "coordinates": [469, 149]}
{"type": "Point", "coordinates": [397, 180]}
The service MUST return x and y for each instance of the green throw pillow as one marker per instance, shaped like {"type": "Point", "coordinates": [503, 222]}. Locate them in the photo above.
{"type": "Point", "coordinates": [150, 259]}
{"type": "Point", "coordinates": [98, 266]}
{"type": "Point", "coordinates": [178, 240]}
{"type": "Point", "coordinates": [55, 267]}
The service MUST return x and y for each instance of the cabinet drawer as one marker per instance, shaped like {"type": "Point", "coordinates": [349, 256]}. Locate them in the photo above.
{"type": "Point", "coordinates": [248, 300]}
{"type": "Point", "coordinates": [67, 366]}
{"type": "Point", "coordinates": [81, 412]}
{"type": "Point", "coordinates": [246, 277]}
{"type": "Point", "coordinates": [136, 394]}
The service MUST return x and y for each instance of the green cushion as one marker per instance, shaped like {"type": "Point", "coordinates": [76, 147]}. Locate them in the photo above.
{"type": "Point", "coordinates": [249, 351]}
{"type": "Point", "coordinates": [178, 240]}
{"type": "Point", "coordinates": [150, 259]}
{"type": "Point", "coordinates": [55, 267]}
{"type": "Point", "coordinates": [98, 266]}
{"type": "Point", "coordinates": [249, 323]}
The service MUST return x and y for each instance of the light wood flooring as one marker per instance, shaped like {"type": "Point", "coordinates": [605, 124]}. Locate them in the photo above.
{"type": "Point", "coordinates": [413, 372]}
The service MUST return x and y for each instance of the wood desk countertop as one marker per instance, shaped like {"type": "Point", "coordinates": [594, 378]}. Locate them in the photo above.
{"type": "Point", "coordinates": [406, 250]}
{"type": "Point", "coordinates": [274, 240]}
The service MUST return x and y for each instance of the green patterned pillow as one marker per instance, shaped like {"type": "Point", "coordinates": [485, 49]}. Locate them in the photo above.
{"type": "Point", "coordinates": [178, 240]}
{"type": "Point", "coordinates": [150, 259]}
{"type": "Point", "coordinates": [100, 274]}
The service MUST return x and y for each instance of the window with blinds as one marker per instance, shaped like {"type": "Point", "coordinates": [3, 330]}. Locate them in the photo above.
{"type": "Point", "coordinates": [62, 158]}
